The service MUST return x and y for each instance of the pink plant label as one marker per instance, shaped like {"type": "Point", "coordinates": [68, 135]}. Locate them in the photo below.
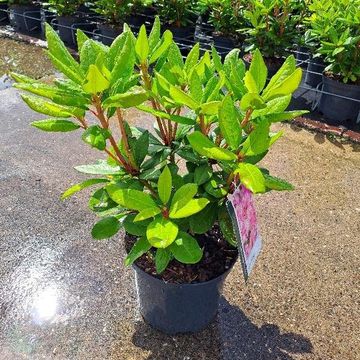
{"type": "Point", "coordinates": [241, 208]}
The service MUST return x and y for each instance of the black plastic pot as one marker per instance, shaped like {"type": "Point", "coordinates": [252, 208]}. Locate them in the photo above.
{"type": "Point", "coordinates": [46, 17]}
{"type": "Point", "coordinates": [314, 72]}
{"type": "Point", "coordinates": [223, 44]}
{"type": "Point", "coordinates": [302, 56]}
{"type": "Point", "coordinates": [338, 109]}
{"type": "Point", "coordinates": [66, 29]}
{"type": "Point", "coordinates": [184, 32]}
{"type": "Point", "coordinates": [108, 33]}
{"type": "Point", "coordinates": [4, 16]}
{"type": "Point", "coordinates": [135, 21]}
{"type": "Point", "coordinates": [177, 308]}
{"type": "Point", "coordinates": [26, 18]}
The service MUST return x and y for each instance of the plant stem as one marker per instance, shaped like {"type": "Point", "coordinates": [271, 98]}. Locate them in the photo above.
{"type": "Point", "coordinates": [247, 117]}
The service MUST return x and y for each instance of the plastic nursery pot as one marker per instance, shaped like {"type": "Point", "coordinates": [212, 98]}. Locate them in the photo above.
{"type": "Point", "coordinates": [183, 32]}
{"type": "Point", "coordinates": [302, 56]}
{"type": "Point", "coordinates": [108, 33]}
{"type": "Point", "coordinates": [223, 44]}
{"type": "Point", "coordinates": [314, 72]}
{"type": "Point", "coordinates": [338, 109]}
{"type": "Point", "coordinates": [273, 64]}
{"type": "Point", "coordinates": [178, 308]}
{"type": "Point", "coordinates": [66, 28]}
{"type": "Point", "coordinates": [26, 18]}
{"type": "Point", "coordinates": [4, 16]}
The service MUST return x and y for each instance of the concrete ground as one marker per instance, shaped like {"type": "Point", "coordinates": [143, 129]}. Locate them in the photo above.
{"type": "Point", "coordinates": [66, 296]}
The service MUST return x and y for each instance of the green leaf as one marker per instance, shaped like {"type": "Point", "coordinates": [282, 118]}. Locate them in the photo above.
{"type": "Point", "coordinates": [250, 83]}
{"type": "Point", "coordinates": [202, 174]}
{"type": "Point", "coordinates": [160, 50]}
{"type": "Point", "coordinates": [101, 167]}
{"type": "Point", "coordinates": [147, 213]}
{"type": "Point", "coordinates": [192, 59]}
{"type": "Point", "coordinates": [203, 221]}
{"type": "Point", "coordinates": [105, 228]}
{"type": "Point", "coordinates": [81, 38]}
{"type": "Point", "coordinates": [141, 247]}
{"type": "Point", "coordinates": [101, 203]}
{"type": "Point", "coordinates": [163, 115]}
{"type": "Point", "coordinates": [183, 196]}
{"type": "Point", "coordinates": [142, 45]}
{"type": "Point", "coordinates": [129, 99]}
{"type": "Point", "coordinates": [48, 108]}
{"type": "Point", "coordinates": [155, 33]}
{"type": "Point", "coordinates": [96, 82]}
{"type": "Point", "coordinates": [195, 86]}
{"type": "Point", "coordinates": [215, 189]}
{"type": "Point", "coordinates": [78, 187]}
{"type": "Point", "coordinates": [210, 108]}
{"type": "Point", "coordinates": [258, 70]}
{"type": "Point", "coordinates": [58, 51]}
{"type": "Point", "coordinates": [251, 177]}
{"type": "Point", "coordinates": [130, 198]}
{"type": "Point", "coordinates": [186, 249]}
{"type": "Point", "coordinates": [204, 146]}
{"type": "Point", "coordinates": [251, 101]}
{"type": "Point", "coordinates": [229, 123]}
{"type": "Point", "coordinates": [161, 232]}
{"type": "Point", "coordinates": [162, 259]}
{"type": "Point", "coordinates": [56, 125]}
{"type": "Point", "coordinates": [258, 141]}
{"type": "Point", "coordinates": [216, 59]}
{"type": "Point", "coordinates": [192, 207]}
{"type": "Point", "coordinates": [182, 98]}
{"type": "Point", "coordinates": [141, 147]}
{"type": "Point", "coordinates": [135, 228]}
{"type": "Point", "coordinates": [277, 105]}
{"type": "Point", "coordinates": [274, 183]}
{"type": "Point", "coordinates": [165, 185]}
{"type": "Point", "coordinates": [96, 137]}
{"type": "Point", "coordinates": [286, 115]}
{"type": "Point", "coordinates": [90, 51]}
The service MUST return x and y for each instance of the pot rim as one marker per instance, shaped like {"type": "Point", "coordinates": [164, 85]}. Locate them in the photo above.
{"type": "Point", "coordinates": [200, 284]}
{"type": "Point", "coordinates": [337, 83]}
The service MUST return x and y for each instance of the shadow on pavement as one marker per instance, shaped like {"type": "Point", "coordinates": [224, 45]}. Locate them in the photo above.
{"type": "Point", "coordinates": [232, 336]}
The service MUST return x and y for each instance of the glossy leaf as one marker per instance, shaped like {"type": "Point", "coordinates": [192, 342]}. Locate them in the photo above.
{"type": "Point", "coordinates": [202, 174]}
{"type": "Point", "coordinates": [129, 99]}
{"type": "Point", "coordinates": [161, 232]}
{"type": "Point", "coordinates": [274, 183]}
{"type": "Point", "coordinates": [83, 185]}
{"type": "Point", "coordinates": [105, 228]}
{"type": "Point", "coordinates": [186, 249]}
{"type": "Point", "coordinates": [55, 125]}
{"type": "Point", "coordinates": [141, 147]}
{"type": "Point", "coordinates": [251, 177]}
{"type": "Point", "coordinates": [165, 185]}
{"type": "Point", "coordinates": [192, 207]}
{"type": "Point", "coordinates": [99, 168]}
{"type": "Point", "coordinates": [160, 50]}
{"type": "Point", "coordinates": [164, 115]}
{"type": "Point", "coordinates": [136, 228]}
{"type": "Point", "coordinates": [96, 82]}
{"type": "Point", "coordinates": [252, 101]}
{"type": "Point", "coordinates": [141, 247]}
{"type": "Point", "coordinates": [147, 213]}
{"type": "Point", "coordinates": [204, 220]}
{"type": "Point", "coordinates": [204, 146]}
{"type": "Point", "coordinates": [96, 137]}
{"type": "Point", "coordinates": [258, 141]}
{"type": "Point", "coordinates": [258, 70]}
{"type": "Point", "coordinates": [182, 98]}
{"type": "Point", "coordinates": [192, 59]}
{"type": "Point", "coordinates": [142, 45]}
{"type": "Point", "coordinates": [162, 259]}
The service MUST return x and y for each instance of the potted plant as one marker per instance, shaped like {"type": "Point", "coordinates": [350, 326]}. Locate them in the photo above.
{"type": "Point", "coordinates": [340, 49]}
{"type": "Point", "coordinates": [140, 9]}
{"type": "Point", "coordinates": [115, 13]}
{"type": "Point", "coordinates": [178, 16]}
{"type": "Point", "coordinates": [212, 115]}
{"type": "Point", "coordinates": [225, 16]}
{"type": "Point", "coordinates": [66, 18]}
{"type": "Point", "coordinates": [25, 15]}
{"type": "Point", "coordinates": [272, 27]}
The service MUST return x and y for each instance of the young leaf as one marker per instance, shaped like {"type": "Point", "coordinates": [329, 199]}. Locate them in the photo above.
{"type": "Point", "coordinates": [134, 97]}
{"type": "Point", "coordinates": [250, 83]}
{"type": "Point", "coordinates": [96, 82]}
{"type": "Point", "coordinates": [165, 185]}
{"type": "Point", "coordinates": [229, 123]}
{"type": "Point", "coordinates": [147, 213]}
{"type": "Point", "coordinates": [182, 98]}
{"type": "Point", "coordinates": [164, 45]}
{"type": "Point", "coordinates": [164, 115]}
{"type": "Point", "coordinates": [78, 187]}
{"type": "Point", "coordinates": [192, 59]}
{"type": "Point", "coordinates": [155, 33]}
{"type": "Point", "coordinates": [162, 259]}
{"type": "Point", "coordinates": [81, 38]}
{"type": "Point", "coordinates": [96, 137]}
{"type": "Point", "coordinates": [130, 198]}
{"type": "Point", "coordinates": [195, 86]}
{"type": "Point", "coordinates": [204, 146]}
{"type": "Point", "coordinates": [192, 207]}
{"type": "Point", "coordinates": [251, 177]}
{"type": "Point", "coordinates": [142, 45]}
{"type": "Point", "coordinates": [101, 167]}
{"type": "Point", "coordinates": [161, 232]}
{"type": "Point", "coordinates": [253, 101]}
{"type": "Point", "coordinates": [55, 125]}
{"type": "Point", "coordinates": [258, 141]}
{"type": "Point", "coordinates": [258, 70]}
{"type": "Point", "coordinates": [141, 247]}
{"type": "Point", "coordinates": [105, 228]}
{"type": "Point", "coordinates": [183, 196]}
{"type": "Point", "coordinates": [186, 249]}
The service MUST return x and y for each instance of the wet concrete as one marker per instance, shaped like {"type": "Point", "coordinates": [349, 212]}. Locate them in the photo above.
{"type": "Point", "coordinates": [66, 296]}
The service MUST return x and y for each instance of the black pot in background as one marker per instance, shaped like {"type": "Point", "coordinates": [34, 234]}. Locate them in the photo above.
{"type": "Point", "coordinates": [135, 21]}
{"type": "Point", "coordinates": [66, 29]}
{"type": "Point", "coordinates": [184, 32]}
{"type": "Point", "coordinates": [46, 17]}
{"type": "Point", "coordinates": [314, 72]}
{"type": "Point", "coordinates": [108, 33]}
{"type": "Point", "coordinates": [26, 18]}
{"type": "Point", "coordinates": [302, 56]}
{"type": "Point", "coordinates": [223, 44]}
{"type": "Point", "coordinates": [177, 308]}
{"type": "Point", "coordinates": [338, 109]}
{"type": "Point", "coordinates": [4, 15]}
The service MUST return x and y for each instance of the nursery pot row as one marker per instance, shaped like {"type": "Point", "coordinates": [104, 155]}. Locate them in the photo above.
{"type": "Point", "coordinates": [26, 18]}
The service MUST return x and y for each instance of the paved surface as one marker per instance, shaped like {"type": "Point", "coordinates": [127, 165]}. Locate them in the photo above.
{"type": "Point", "coordinates": [66, 296]}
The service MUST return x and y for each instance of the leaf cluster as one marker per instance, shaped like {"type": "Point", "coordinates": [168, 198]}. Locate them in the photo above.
{"type": "Point", "coordinates": [212, 128]}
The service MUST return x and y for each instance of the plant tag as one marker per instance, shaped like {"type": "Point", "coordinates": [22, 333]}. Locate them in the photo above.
{"type": "Point", "coordinates": [241, 208]}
